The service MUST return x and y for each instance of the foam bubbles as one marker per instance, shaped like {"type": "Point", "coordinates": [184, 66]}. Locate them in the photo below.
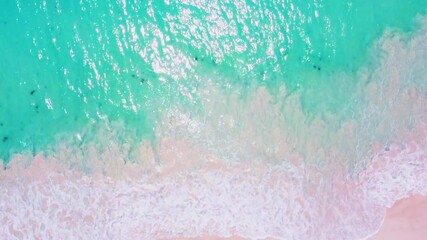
{"type": "Point", "coordinates": [252, 167]}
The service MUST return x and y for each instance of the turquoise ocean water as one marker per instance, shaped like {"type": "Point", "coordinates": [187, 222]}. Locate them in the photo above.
{"type": "Point", "coordinates": [68, 67]}
{"type": "Point", "coordinates": [142, 119]}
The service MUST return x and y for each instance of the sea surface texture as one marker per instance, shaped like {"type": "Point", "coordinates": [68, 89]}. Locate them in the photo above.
{"type": "Point", "coordinates": [144, 119]}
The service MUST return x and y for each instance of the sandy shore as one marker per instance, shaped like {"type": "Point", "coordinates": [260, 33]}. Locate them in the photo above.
{"type": "Point", "coordinates": [44, 199]}
{"type": "Point", "coordinates": [407, 219]}
{"type": "Point", "coordinates": [256, 200]}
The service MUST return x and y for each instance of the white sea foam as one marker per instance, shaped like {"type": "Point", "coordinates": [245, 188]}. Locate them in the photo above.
{"type": "Point", "coordinates": [188, 186]}
{"type": "Point", "coordinates": [283, 201]}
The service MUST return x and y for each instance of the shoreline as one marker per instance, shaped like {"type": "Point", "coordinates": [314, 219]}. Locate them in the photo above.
{"type": "Point", "coordinates": [406, 219]}
{"type": "Point", "coordinates": [239, 201]}
{"type": "Point", "coordinates": [33, 187]}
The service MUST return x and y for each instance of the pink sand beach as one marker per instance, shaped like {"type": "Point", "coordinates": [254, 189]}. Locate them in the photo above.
{"type": "Point", "coordinates": [45, 200]}
{"type": "Point", "coordinates": [407, 219]}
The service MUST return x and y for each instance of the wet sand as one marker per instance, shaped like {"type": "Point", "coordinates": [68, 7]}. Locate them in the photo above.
{"type": "Point", "coordinates": [39, 192]}
{"type": "Point", "coordinates": [407, 219]}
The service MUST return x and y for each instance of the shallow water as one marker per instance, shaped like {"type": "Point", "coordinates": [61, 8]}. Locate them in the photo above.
{"type": "Point", "coordinates": [150, 90]}
{"type": "Point", "coordinates": [67, 65]}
